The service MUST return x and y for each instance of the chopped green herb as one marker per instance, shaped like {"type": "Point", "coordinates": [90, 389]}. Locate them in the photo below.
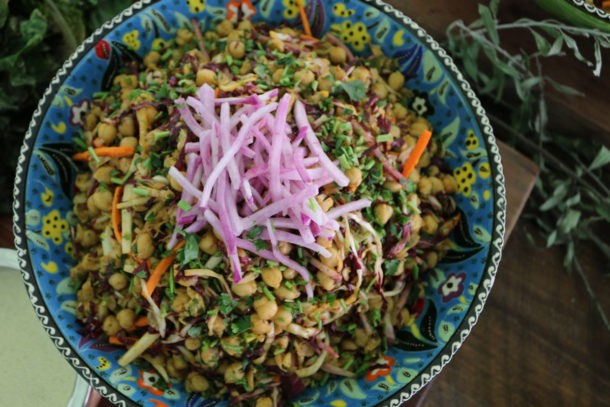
{"type": "Point", "coordinates": [240, 325]}
{"type": "Point", "coordinates": [383, 138]}
{"type": "Point", "coordinates": [93, 155]}
{"type": "Point", "coordinates": [191, 249]}
{"type": "Point", "coordinates": [356, 89]}
{"type": "Point", "coordinates": [226, 304]}
{"type": "Point", "coordinates": [141, 191]}
{"type": "Point", "coordinates": [268, 293]}
{"type": "Point", "coordinates": [185, 206]}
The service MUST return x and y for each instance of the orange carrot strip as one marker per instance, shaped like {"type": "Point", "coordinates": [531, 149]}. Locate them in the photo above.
{"type": "Point", "coordinates": [117, 151]}
{"type": "Point", "coordinates": [161, 268]}
{"type": "Point", "coordinates": [304, 19]}
{"type": "Point", "coordinates": [114, 340]}
{"type": "Point", "coordinates": [141, 322]}
{"type": "Point", "coordinates": [415, 155]}
{"type": "Point", "coordinates": [115, 213]}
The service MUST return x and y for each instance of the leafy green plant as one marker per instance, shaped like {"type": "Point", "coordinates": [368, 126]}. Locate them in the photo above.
{"type": "Point", "coordinates": [36, 36]}
{"type": "Point", "coordinates": [571, 202]}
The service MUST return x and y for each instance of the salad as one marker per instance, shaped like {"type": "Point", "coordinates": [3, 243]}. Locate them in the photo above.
{"type": "Point", "coordinates": [256, 209]}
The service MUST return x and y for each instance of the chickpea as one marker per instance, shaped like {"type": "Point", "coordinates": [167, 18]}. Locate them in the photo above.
{"type": "Point", "coordinates": [325, 281]}
{"type": "Point", "coordinates": [86, 292]}
{"type": "Point", "coordinates": [129, 142]}
{"type": "Point", "coordinates": [237, 49]}
{"type": "Point", "coordinates": [362, 74]}
{"type": "Point", "coordinates": [396, 80]}
{"type": "Point", "coordinates": [349, 345]}
{"type": "Point", "coordinates": [286, 293]}
{"type": "Point", "coordinates": [209, 356]}
{"type": "Point", "coordinates": [126, 317]}
{"type": "Point", "coordinates": [264, 402]}
{"type": "Point", "coordinates": [204, 76]}
{"type": "Point", "coordinates": [331, 261]}
{"type": "Point", "coordinates": [118, 281]}
{"type": "Point", "coordinates": [272, 276]}
{"type": "Point", "coordinates": [107, 133]}
{"type": "Point", "coordinates": [179, 362]}
{"type": "Point", "coordinates": [111, 326]}
{"type": "Point", "coordinates": [224, 28]}
{"type": "Point", "coordinates": [380, 90]}
{"type": "Point", "coordinates": [192, 344]}
{"type": "Point", "coordinates": [355, 177]}
{"type": "Point", "coordinates": [234, 372]}
{"type": "Point", "coordinates": [395, 132]}
{"type": "Point", "coordinates": [337, 55]}
{"type": "Point", "coordinates": [400, 112]}
{"type": "Point", "coordinates": [383, 212]}
{"type": "Point", "coordinates": [424, 186]}
{"type": "Point", "coordinates": [289, 273]}
{"type": "Point", "coordinates": [259, 326]}
{"type": "Point", "coordinates": [91, 121]}
{"type": "Point", "coordinates": [145, 245]}
{"type": "Point", "coordinates": [431, 259]}
{"type": "Point", "coordinates": [244, 25]}
{"type": "Point", "coordinates": [88, 238]}
{"type": "Point", "coordinates": [246, 67]}
{"type": "Point", "coordinates": [429, 224]}
{"type": "Point", "coordinates": [265, 308]}
{"type": "Point", "coordinates": [416, 223]}
{"type": "Point", "coordinates": [231, 346]}
{"type": "Point", "coordinates": [277, 75]}
{"type": "Point", "coordinates": [360, 337]}
{"type": "Point", "coordinates": [276, 44]}
{"type": "Point", "coordinates": [418, 127]}
{"type": "Point", "coordinates": [102, 174]}
{"type": "Point", "coordinates": [183, 36]}
{"type": "Point", "coordinates": [102, 200]}
{"type": "Point", "coordinates": [208, 244]}
{"type": "Point", "coordinates": [393, 186]}
{"type": "Point", "coordinates": [304, 77]}
{"type": "Point", "coordinates": [283, 317]}
{"type": "Point", "coordinates": [285, 248]}
{"type": "Point", "coordinates": [82, 181]}
{"type": "Point", "coordinates": [151, 59]}
{"type": "Point", "coordinates": [437, 185]}
{"type": "Point", "coordinates": [195, 382]}
{"type": "Point", "coordinates": [450, 184]}
{"type": "Point", "coordinates": [244, 289]}
{"type": "Point", "coordinates": [326, 83]}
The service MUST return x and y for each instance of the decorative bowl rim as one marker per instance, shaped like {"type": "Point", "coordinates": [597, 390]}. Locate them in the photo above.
{"type": "Point", "coordinates": [592, 10]}
{"type": "Point", "coordinates": [404, 393]}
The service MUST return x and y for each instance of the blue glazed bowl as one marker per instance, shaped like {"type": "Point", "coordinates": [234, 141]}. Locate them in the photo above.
{"type": "Point", "coordinates": [455, 291]}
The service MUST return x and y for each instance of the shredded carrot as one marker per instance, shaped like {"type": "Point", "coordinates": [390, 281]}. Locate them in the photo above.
{"type": "Point", "coordinates": [141, 322]}
{"type": "Point", "coordinates": [114, 340]}
{"type": "Point", "coordinates": [216, 92]}
{"type": "Point", "coordinates": [304, 19]}
{"type": "Point", "coordinates": [115, 213]}
{"type": "Point", "coordinates": [161, 268]}
{"type": "Point", "coordinates": [116, 151]}
{"type": "Point", "coordinates": [416, 154]}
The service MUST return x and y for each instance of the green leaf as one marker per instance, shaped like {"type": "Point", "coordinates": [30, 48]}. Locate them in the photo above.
{"type": "Point", "coordinates": [601, 159]}
{"type": "Point", "coordinates": [3, 12]}
{"type": "Point", "coordinates": [489, 22]}
{"type": "Point", "coordinates": [226, 304]}
{"type": "Point", "coordinates": [240, 325]}
{"type": "Point", "coordinates": [568, 90]}
{"type": "Point", "coordinates": [191, 249]}
{"type": "Point", "coordinates": [356, 89]}
{"type": "Point", "coordinates": [569, 221]}
{"type": "Point", "coordinates": [558, 196]}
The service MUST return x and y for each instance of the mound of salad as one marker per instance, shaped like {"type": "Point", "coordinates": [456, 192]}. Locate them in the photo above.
{"type": "Point", "coordinates": [256, 210]}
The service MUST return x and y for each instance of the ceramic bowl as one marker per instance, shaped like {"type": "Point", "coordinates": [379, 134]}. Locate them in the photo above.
{"type": "Point", "coordinates": [455, 291]}
{"type": "Point", "coordinates": [578, 12]}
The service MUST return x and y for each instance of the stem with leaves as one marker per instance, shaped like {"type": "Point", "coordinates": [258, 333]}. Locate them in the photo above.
{"type": "Point", "coordinates": [571, 201]}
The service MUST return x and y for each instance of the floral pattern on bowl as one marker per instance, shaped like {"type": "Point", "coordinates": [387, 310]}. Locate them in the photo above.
{"type": "Point", "coordinates": [455, 291]}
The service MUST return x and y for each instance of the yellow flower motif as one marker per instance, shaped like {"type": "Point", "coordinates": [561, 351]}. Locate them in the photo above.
{"type": "Point", "coordinates": [131, 39]}
{"type": "Point", "coordinates": [354, 34]}
{"type": "Point", "coordinates": [484, 171]}
{"type": "Point", "coordinates": [59, 127]}
{"type": "Point", "coordinates": [340, 10]}
{"type": "Point", "coordinates": [69, 249]}
{"type": "Point", "coordinates": [47, 197]}
{"type": "Point", "coordinates": [487, 195]}
{"type": "Point", "coordinates": [196, 6]}
{"type": "Point", "coordinates": [158, 44]}
{"type": "Point", "coordinates": [50, 267]}
{"type": "Point", "coordinates": [465, 177]}
{"type": "Point", "coordinates": [53, 226]}
{"type": "Point", "coordinates": [103, 363]}
{"type": "Point", "coordinates": [398, 39]}
{"type": "Point", "coordinates": [472, 141]}
{"type": "Point", "coordinates": [291, 10]}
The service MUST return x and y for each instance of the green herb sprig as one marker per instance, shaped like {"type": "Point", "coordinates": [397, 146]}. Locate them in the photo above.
{"type": "Point", "coordinates": [571, 202]}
